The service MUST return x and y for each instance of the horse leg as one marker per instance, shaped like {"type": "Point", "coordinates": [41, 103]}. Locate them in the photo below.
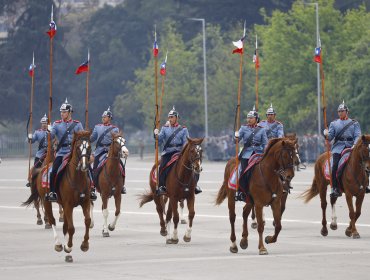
{"type": "Point", "coordinates": [276, 212]}
{"type": "Point", "coordinates": [324, 204]}
{"type": "Point", "coordinates": [86, 210]}
{"type": "Point", "coordinates": [69, 228]}
{"type": "Point", "coordinates": [92, 214]}
{"type": "Point", "coordinates": [159, 206]}
{"type": "Point", "coordinates": [117, 201]}
{"type": "Point", "coordinates": [351, 229]}
{"type": "Point", "coordinates": [260, 228]}
{"type": "Point", "coordinates": [104, 198]}
{"type": "Point", "coordinates": [182, 219]}
{"type": "Point", "coordinates": [190, 204]}
{"type": "Point", "coordinates": [333, 224]}
{"type": "Point", "coordinates": [253, 223]}
{"type": "Point", "coordinates": [232, 217]}
{"type": "Point", "coordinates": [176, 218]}
{"type": "Point", "coordinates": [246, 211]}
{"type": "Point", "coordinates": [49, 217]}
{"type": "Point", "coordinates": [169, 214]}
{"type": "Point", "coordinates": [38, 215]}
{"type": "Point", "coordinates": [359, 200]}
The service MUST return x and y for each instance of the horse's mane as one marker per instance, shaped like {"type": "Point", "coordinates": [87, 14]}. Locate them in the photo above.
{"type": "Point", "coordinates": [272, 143]}
{"type": "Point", "coordinates": [196, 140]}
{"type": "Point", "coordinates": [79, 134]}
{"type": "Point", "coordinates": [360, 142]}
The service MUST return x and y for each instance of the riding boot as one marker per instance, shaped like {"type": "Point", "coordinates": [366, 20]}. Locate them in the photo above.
{"type": "Point", "coordinates": [93, 196]}
{"type": "Point", "coordinates": [240, 196]}
{"type": "Point", "coordinates": [335, 192]}
{"type": "Point", "coordinates": [123, 190]}
{"type": "Point", "coordinates": [197, 189]}
{"type": "Point", "coordinates": [161, 190]}
{"type": "Point", "coordinates": [52, 195]}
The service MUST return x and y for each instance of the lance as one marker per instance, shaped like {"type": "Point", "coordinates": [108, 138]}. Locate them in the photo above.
{"type": "Point", "coordinates": [163, 74]}
{"type": "Point", "coordinates": [87, 92]}
{"type": "Point", "coordinates": [29, 128]}
{"type": "Point", "coordinates": [237, 115]}
{"type": "Point", "coordinates": [256, 66]}
{"type": "Point", "coordinates": [156, 121]}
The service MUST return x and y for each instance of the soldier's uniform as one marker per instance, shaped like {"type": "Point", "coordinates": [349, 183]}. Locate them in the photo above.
{"type": "Point", "coordinates": [40, 136]}
{"type": "Point", "coordinates": [348, 138]}
{"type": "Point", "coordinates": [273, 129]}
{"type": "Point", "coordinates": [255, 140]}
{"type": "Point", "coordinates": [58, 129]}
{"type": "Point", "coordinates": [102, 147]}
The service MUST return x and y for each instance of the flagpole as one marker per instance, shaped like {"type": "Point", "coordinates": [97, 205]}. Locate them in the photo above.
{"type": "Point", "coordinates": [162, 91]}
{"type": "Point", "coordinates": [87, 92]}
{"type": "Point", "coordinates": [237, 117]}
{"type": "Point", "coordinates": [157, 121]}
{"type": "Point", "coordinates": [31, 117]}
{"type": "Point", "coordinates": [256, 67]}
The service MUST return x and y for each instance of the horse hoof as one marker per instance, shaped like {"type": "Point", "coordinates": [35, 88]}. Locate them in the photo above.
{"type": "Point", "coordinates": [263, 251]}
{"type": "Point", "coordinates": [58, 248]}
{"type": "Point", "coordinates": [105, 233]}
{"type": "Point", "coordinates": [67, 250]}
{"type": "Point", "coordinates": [61, 220]}
{"type": "Point", "coordinates": [91, 224]}
{"type": "Point", "coordinates": [254, 225]}
{"type": "Point", "coordinates": [47, 226]}
{"type": "Point", "coordinates": [84, 247]}
{"type": "Point", "coordinates": [233, 250]}
{"type": "Point", "coordinates": [324, 232]}
{"type": "Point", "coordinates": [163, 232]}
{"type": "Point", "coordinates": [333, 226]}
{"type": "Point", "coordinates": [39, 222]}
{"type": "Point", "coordinates": [268, 239]}
{"type": "Point", "coordinates": [183, 222]}
{"type": "Point", "coordinates": [69, 259]}
{"type": "Point", "coordinates": [172, 241]}
{"type": "Point", "coordinates": [348, 232]}
{"type": "Point", "coordinates": [111, 228]}
{"type": "Point", "coordinates": [187, 239]}
{"type": "Point", "coordinates": [243, 243]}
{"type": "Point", "coordinates": [356, 235]}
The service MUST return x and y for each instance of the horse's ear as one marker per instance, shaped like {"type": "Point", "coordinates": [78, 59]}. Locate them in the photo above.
{"type": "Point", "coordinates": [201, 140]}
{"type": "Point", "coordinates": [187, 137]}
{"type": "Point", "coordinates": [283, 142]}
{"type": "Point", "coordinates": [363, 137]}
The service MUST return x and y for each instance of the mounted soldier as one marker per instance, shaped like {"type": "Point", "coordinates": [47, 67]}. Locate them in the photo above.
{"type": "Point", "coordinates": [255, 140]}
{"type": "Point", "coordinates": [63, 130]}
{"type": "Point", "coordinates": [274, 128]}
{"type": "Point", "coordinates": [345, 133]}
{"type": "Point", "coordinates": [102, 134]}
{"type": "Point", "coordinates": [40, 136]}
{"type": "Point", "coordinates": [173, 136]}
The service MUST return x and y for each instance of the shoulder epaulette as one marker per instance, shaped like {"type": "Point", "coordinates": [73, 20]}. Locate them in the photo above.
{"type": "Point", "coordinates": [58, 121]}
{"type": "Point", "coordinates": [263, 121]}
{"type": "Point", "coordinates": [279, 122]}
{"type": "Point", "coordinates": [183, 126]}
{"type": "Point", "coordinates": [76, 121]}
{"type": "Point", "coordinates": [39, 129]}
{"type": "Point", "coordinates": [166, 125]}
{"type": "Point", "coordinates": [260, 125]}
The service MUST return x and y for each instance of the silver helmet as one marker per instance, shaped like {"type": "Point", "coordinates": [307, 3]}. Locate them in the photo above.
{"type": "Point", "coordinates": [270, 111]}
{"type": "Point", "coordinates": [253, 114]}
{"type": "Point", "coordinates": [44, 119]}
{"type": "Point", "coordinates": [173, 112]}
{"type": "Point", "coordinates": [107, 113]}
{"type": "Point", "coordinates": [342, 107]}
{"type": "Point", "coordinates": [66, 107]}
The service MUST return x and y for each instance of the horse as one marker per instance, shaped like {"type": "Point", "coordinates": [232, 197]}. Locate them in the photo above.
{"type": "Point", "coordinates": [111, 181]}
{"type": "Point", "coordinates": [354, 180]}
{"type": "Point", "coordinates": [74, 190]}
{"type": "Point", "coordinates": [180, 183]}
{"type": "Point", "coordinates": [265, 188]}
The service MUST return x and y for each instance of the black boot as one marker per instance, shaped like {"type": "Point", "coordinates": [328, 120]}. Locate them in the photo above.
{"type": "Point", "coordinates": [51, 197]}
{"type": "Point", "coordinates": [161, 190]}
{"type": "Point", "coordinates": [123, 190]}
{"type": "Point", "coordinates": [336, 193]}
{"type": "Point", "coordinates": [197, 189]}
{"type": "Point", "coordinates": [28, 184]}
{"type": "Point", "coordinates": [93, 196]}
{"type": "Point", "coordinates": [240, 196]}
{"type": "Point", "coordinates": [367, 190]}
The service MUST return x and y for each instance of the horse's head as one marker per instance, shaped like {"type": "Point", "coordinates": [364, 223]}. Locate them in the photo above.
{"type": "Point", "coordinates": [363, 149]}
{"type": "Point", "coordinates": [194, 154]}
{"type": "Point", "coordinates": [293, 137]}
{"type": "Point", "coordinates": [119, 146]}
{"type": "Point", "coordinates": [81, 148]}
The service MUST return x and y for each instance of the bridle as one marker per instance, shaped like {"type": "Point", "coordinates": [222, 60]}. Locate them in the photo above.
{"type": "Point", "coordinates": [283, 166]}
{"type": "Point", "coordinates": [122, 143]}
{"type": "Point", "coordinates": [193, 160]}
{"type": "Point", "coordinates": [83, 152]}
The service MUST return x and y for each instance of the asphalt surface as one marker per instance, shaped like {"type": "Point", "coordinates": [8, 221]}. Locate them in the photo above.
{"type": "Point", "coordinates": [136, 250]}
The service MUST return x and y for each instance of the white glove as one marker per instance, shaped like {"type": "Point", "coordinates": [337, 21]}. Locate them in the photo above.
{"type": "Point", "coordinates": [326, 132]}
{"type": "Point", "coordinates": [29, 136]}
{"type": "Point", "coordinates": [236, 134]}
{"type": "Point", "coordinates": [49, 127]}
{"type": "Point", "coordinates": [156, 131]}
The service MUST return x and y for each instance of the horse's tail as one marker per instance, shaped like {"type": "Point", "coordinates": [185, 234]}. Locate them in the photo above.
{"type": "Point", "coordinates": [222, 192]}
{"type": "Point", "coordinates": [34, 197]}
{"type": "Point", "coordinates": [145, 198]}
{"type": "Point", "coordinates": [310, 193]}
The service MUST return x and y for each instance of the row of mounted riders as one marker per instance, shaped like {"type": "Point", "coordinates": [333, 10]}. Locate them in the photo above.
{"type": "Point", "coordinates": [267, 183]}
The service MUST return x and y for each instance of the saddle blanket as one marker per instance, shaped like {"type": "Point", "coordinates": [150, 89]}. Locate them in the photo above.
{"type": "Point", "coordinates": [254, 159]}
{"type": "Point", "coordinates": [342, 163]}
{"type": "Point", "coordinates": [173, 159]}
{"type": "Point", "coordinates": [45, 179]}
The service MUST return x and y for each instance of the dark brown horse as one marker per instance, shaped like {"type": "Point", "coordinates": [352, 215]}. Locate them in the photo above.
{"type": "Point", "coordinates": [265, 188]}
{"type": "Point", "coordinates": [354, 181]}
{"type": "Point", "coordinates": [110, 180]}
{"type": "Point", "coordinates": [180, 183]}
{"type": "Point", "coordinates": [73, 190]}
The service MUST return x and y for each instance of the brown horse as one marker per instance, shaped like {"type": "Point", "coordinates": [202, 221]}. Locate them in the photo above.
{"type": "Point", "coordinates": [110, 180]}
{"type": "Point", "coordinates": [354, 181]}
{"type": "Point", "coordinates": [265, 188]}
{"type": "Point", "coordinates": [73, 190]}
{"type": "Point", "coordinates": [180, 183]}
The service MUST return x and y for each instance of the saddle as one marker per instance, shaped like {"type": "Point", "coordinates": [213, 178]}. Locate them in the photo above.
{"type": "Point", "coordinates": [341, 165]}
{"type": "Point", "coordinates": [102, 161]}
{"type": "Point", "coordinates": [45, 181]}
{"type": "Point", "coordinates": [168, 167]}
{"type": "Point", "coordinates": [254, 159]}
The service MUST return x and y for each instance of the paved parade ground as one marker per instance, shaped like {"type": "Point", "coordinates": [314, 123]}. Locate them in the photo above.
{"type": "Point", "coordinates": [135, 250]}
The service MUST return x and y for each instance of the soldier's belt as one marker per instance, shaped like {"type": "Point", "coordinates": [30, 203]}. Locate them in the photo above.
{"type": "Point", "coordinates": [174, 145]}
{"type": "Point", "coordinates": [104, 145]}
{"type": "Point", "coordinates": [345, 139]}
{"type": "Point", "coordinates": [65, 145]}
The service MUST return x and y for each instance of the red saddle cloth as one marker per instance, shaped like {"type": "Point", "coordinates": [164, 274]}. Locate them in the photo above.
{"type": "Point", "coordinates": [342, 163]}
{"type": "Point", "coordinates": [253, 160]}
{"type": "Point", "coordinates": [173, 159]}
{"type": "Point", "coordinates": [45, 181]}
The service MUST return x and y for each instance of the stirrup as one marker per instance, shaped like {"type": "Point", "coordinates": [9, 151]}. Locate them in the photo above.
{"type": "Point", "coordinates": [123, 190]}
{"type": "Point", "coordinates": [240, 196]}
{"type": "Point", "coordinates": [28, 184]}
{"type": "Point", "coordinates": [51, 197]}
{"type": "Point", "coordinates": [161, 191]}
{"type": "Point", "coordinates": [197, 189]}
{"type": "Point", "coordinates": [93, 196]}
{"type": "Point", "coordinates": [367, 189]}
{"type": "Point", "coordinates": [336, 193]}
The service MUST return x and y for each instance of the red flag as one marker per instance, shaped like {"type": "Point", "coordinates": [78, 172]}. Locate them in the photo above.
{"type": "Point", "coordinates": [52, 26]}
{"type": "Point", "coordinates": [163, 67]}
{"type": "Point", "coordinates": [155, 45]}
{"type": "Point", "coordinates": [239, 44]}
{"type": "Point", "coordinates": [31, 70]}
{"type": "Point", "coordinates": [84, 67]}
{"type": "Point", "coordinates": [317, 57]}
